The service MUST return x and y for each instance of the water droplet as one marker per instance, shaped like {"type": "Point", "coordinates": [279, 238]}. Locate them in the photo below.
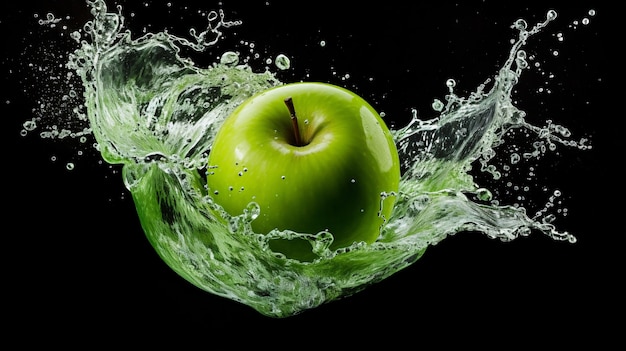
{"type": "Point", "coordinates": [484, 194]}
{"type": "Point", "coordinates": [520, 24]}
{"type": "Point", "coordinates": [30, 125]}
{"type": "Point", "coordinates": [515, 158]}
{"type": "Point", "coordinates": [592, 12]}
{"type": "Point", "coordinates": [69, 166]}
{"type": "Point", "coordinates": [450, 83]}
{"type": "Point", "coordinates": [283, 62]}
{"type": "Point", "coordinates": [551, 15]}
{"type": "Point", "coordinates": [322, 43]}
{"type": "Point", "coordinates": [229, 58]}
{"type": "Point", "coordinates": [437, 105]}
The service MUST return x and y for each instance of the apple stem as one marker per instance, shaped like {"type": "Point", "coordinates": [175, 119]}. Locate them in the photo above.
{"type": "Point", "coordinates": [294, 120]}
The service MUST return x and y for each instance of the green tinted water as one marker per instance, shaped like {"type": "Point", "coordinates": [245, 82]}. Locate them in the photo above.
{"type": "Point", "coordinates": [156, 113]}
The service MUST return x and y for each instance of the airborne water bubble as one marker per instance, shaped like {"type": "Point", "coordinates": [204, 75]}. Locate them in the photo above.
{"type": "Point", "coordinates": [551, 15]}
{"type": "Point", "coordinates": [282, 62]}
{"type": "Point", "coordinates": [30, 125]}
{"type": "Point", "coordinates": [229, 58]}
{"type": "Point", "coordinates": [437, 105]}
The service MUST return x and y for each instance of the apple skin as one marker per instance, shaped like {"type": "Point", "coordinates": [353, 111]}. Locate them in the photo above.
{"type": "Point", "coordinates": [333, 182]}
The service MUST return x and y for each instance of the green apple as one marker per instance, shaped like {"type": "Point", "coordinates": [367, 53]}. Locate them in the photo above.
{"type": "Point", "coordinates": [315, 157]}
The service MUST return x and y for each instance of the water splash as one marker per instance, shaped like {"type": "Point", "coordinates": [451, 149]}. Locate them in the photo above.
{"type": "Point", "coordinates": [156, 113]}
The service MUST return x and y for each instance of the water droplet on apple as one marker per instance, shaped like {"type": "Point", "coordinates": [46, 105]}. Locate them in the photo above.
{"type": "Point", "coordinates": [282, 177]}
{"type": "Point", "coordinates": [216, 192]}
{"type": "Point", "coordinates": [230, 188]}
{"type": "Point", "coordinates": [352, 180]}
{"type": "Point", "coordinates": [240, 174]}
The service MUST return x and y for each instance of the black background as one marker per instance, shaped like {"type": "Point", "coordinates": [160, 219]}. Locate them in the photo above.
{"type": "Point", "coordinates": [80, 273]}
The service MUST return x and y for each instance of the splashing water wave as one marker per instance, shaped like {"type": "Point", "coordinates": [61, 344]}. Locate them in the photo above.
{"type": "Point", "coordinates": [157, 113]}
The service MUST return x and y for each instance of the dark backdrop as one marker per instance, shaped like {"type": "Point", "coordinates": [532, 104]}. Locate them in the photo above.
{"type": "Point", "coordinates": [79, 272]}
